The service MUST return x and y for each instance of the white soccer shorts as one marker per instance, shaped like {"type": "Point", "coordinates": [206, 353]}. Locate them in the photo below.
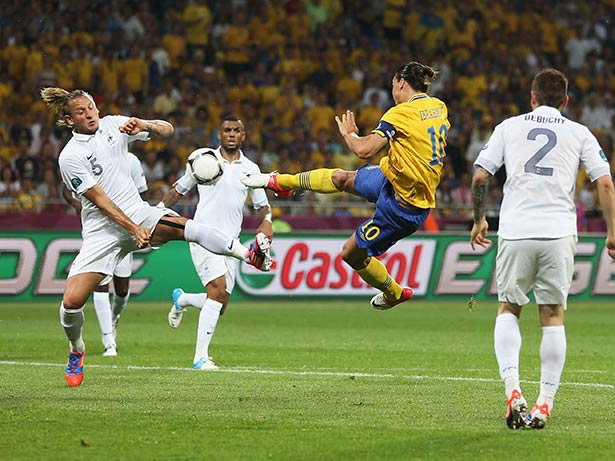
{"type": "Point", "coordinates": [545, 266]}
{"type": "Point", "coordinates": [124, 267]}
{"type": "Point", "coordinates": [209, 266]}
{"type": "Point", "coordinates": [103, 249]}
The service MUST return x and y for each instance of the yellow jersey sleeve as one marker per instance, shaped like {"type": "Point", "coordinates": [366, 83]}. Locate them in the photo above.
{"type": "Point", "coordinates": [417, 132]}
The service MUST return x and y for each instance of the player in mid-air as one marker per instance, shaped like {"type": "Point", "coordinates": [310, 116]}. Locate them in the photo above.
{"type": "Point", "coordinates": [108, 312]}
{"type": "Point", "coordinates": [115, 221]}
{"type": "Point", "coordinates": [223, 204]}
{"type": "Point", "coordinates": [542, 151]}
{"type": "Point", "coordinates": [403, 185]}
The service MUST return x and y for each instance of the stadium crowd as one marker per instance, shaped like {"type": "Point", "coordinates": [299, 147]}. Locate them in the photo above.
{"type": "Point", "coordinates": [286, 67]}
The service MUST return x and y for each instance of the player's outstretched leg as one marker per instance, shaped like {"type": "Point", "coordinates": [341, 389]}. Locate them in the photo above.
{"type": "Point", "coordinates": [177, 312]}
{"type": "Point", "coordinates": [266, 181]}
{"type": "Point", "coordinates": [320, 180]}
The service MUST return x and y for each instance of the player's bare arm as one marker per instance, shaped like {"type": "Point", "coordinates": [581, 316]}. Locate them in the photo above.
{"type": "Point", "coordinates": [171, 198]}
{"type": "Point", "coordinates": [98, 197]}
{"type": "Point", "coordinates": [606, 196]}
{"type": "Point", "coordinates": [364, 147]}
{"type": "Point", "coordinates": [265, 226]}
{"type": "Point", "coordinates": [67, 195]}
{"type": "Point", "coordinates": [478, 234]}
{"type": "Point", "coordinates": [158, 128]}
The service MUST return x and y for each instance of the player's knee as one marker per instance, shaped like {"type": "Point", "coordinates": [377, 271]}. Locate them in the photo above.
{"type": "Point", "coordinates": [343, 180]}
{"type": "Point", "coordinates": [73, 300]}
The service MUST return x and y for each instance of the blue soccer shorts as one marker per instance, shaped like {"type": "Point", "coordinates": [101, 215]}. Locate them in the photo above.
{"type": "Point", "coordinates": [392, 221]}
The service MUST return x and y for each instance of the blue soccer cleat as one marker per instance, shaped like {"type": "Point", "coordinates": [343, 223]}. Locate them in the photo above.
{"type": "Point", "coordinates": [177, 312]}
{"type": "Point", "coordinates": [74, 368]}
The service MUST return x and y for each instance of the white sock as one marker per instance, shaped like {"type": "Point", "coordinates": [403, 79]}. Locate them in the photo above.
{"type": "Point", "coordinates": [192, 299]}
{"type": "Point", "coordinates": [119, 304]}
{"type": "Point", "coordinates": [103, 312]}
{"type": "Point", "coordinates": [72, 322]}
{"type": "Point", "coordinates": [507, 343]}
{"type": "Point", "coordinates": [214, 240]}
{"type": "Point", "coordinates": [552, 359]}
{"type": "Point", "coordinates": [208, 319]}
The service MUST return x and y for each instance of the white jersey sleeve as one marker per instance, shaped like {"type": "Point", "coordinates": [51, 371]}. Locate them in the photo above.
{"type": "Point", "coordinates": [136, 173]}
{"type": "Point", "coordinates": [119, 120]}
{"type": "Point", "coordinates": [76, 173]}
{"type": "Point", "coordinates": [184, 184]}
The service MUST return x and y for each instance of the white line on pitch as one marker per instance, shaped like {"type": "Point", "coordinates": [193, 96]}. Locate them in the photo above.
{"type": "Point", "coordinates": [250, 370]}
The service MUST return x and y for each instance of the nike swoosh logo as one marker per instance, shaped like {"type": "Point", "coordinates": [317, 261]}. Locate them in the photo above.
{"type": "Point", "coordinates": [230, 247]}
{"type": "Point", "coordinates": [92, 155]}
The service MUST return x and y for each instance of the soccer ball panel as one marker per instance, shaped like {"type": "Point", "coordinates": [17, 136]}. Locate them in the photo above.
{"type": "Point", "coordinates": [206, 167]}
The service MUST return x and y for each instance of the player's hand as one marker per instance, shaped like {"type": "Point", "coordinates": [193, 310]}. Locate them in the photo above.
{"type": "Point", "coordinates": [346, 123]}
{"type": "Point", "coordinates": [610, 246]}
{"type": "Point", "coordinates": [142, 235]}
{"type": "Point", "coordinates": [266, 228]}
{"type": "Point", "coordinates": [133, 126]}
{"type": "Point", "coordinates": [478, 234]}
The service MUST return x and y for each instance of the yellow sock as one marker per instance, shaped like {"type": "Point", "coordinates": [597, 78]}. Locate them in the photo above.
{"type": "Point", "coordinates": [377, 276]}
{"type": "Point", "coordinates": [319, 180]}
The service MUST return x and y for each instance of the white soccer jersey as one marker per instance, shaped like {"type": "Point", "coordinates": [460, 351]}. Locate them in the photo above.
{"type": "Point", "coordinates": [136, 173]}
{"type": "Point", "coordinates": [221, 204]}
{"type": "Point", "coordinates": [542, 152]}
{"type": "Point", "coordinates": [101, 158]}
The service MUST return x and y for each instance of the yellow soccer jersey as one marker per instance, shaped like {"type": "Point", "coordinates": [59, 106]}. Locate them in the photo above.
{"type": "Point", "coordinates": [416, 131]}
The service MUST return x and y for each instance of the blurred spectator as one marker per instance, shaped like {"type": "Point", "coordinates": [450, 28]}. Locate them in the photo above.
{"type": "Point", "coordinates": [596, 114]}
{"type": "Point", "coordinates": [153, 168]}
{"type": "Point", "coordinates": [28, 200]}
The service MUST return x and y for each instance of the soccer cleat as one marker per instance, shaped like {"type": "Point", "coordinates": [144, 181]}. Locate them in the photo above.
{"type": "Point", "coordinates": [177, 312]}
{"type": "Point", "coordinates": [381, 303]}
{"type": "Point", "coordinates": [537, 418]}
{"type": "Point", "coordinates": [205, 364]}
{"type": "Point", "coordinates": [110, 351]}
{"type": "Point", "coordinates": [265, 181]}
{"type": "Point", "coordinates": [258, 253]}
{"type": "Point", "coordinates": [74, 368]}
{"type": "Point", "coordinates": [516, 408]}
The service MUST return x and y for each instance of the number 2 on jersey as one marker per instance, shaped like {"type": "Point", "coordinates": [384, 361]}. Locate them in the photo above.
{"type": "Point", "coordinates": [437, 145]}
{"type": "Point", "coordinates": [531, 164]}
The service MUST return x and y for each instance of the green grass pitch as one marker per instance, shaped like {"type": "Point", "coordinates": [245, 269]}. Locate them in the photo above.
{"type": "Point", "coordinates": [300, 380]}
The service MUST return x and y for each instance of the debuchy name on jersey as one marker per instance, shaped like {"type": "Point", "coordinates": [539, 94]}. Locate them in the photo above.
{"type": "Point", "coordinates": [541, 151]}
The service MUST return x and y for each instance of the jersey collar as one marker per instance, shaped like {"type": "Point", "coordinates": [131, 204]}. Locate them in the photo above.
{"type": "Point", "coordinates": [418, 96]}
{"type": "Point", "coordinates": [84, 137]}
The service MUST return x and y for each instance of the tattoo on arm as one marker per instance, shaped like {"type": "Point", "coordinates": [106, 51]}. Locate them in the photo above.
{"type": "Point", "coordinates": [159, 128]}
{"type": "Point", "coordinates": [479, 196]}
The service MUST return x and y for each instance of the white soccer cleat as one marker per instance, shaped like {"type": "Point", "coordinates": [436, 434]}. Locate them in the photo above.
{"type": "Point", "coordinates": [537, 418]}
{"type": "Point", "coordinates": [265, 181]}
{"type": "Point", "coordinates": [205, 364]}
{"type": "Point", "coordinates": [110, 351]}
{"type": "Point", "coordinates": [381, 303]}
{"type": "Point", "coordinates": [255, 180]}
{"type": "Point", "coordinates": [516, 408]}
{"type": "Point", "coordinates": [258, 254]}
{"type": "Point", "coordinates": [177, 312]}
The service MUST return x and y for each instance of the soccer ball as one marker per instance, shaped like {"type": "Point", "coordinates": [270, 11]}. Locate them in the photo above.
{"type": "Point", "coordinates": [205, 166]}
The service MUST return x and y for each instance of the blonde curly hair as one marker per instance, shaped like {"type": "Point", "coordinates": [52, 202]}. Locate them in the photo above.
{"type": "Point", "coordinates": [58, 99]}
